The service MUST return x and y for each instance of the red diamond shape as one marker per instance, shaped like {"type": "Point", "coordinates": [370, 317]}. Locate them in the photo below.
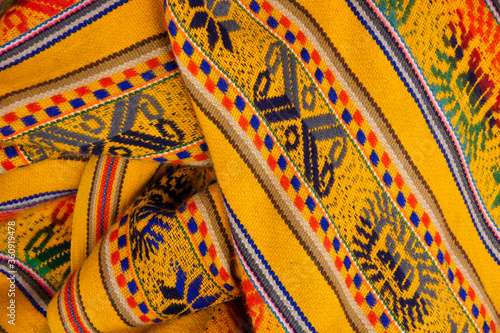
{"type": "Point", "coordinates": [131, 302]}
{"type": "Point", "coordinates": [176, 48]}
{"type": "Point", "coordinates": [58, 99]}
{"type": "Point", "coordinates": [192, 208]}
{"type": "Point", "coordinates": [301, 37]}
{"type": "Point", "coordinates": [316, 57]}
{"type": "Point", "coordinates": [106, 82]}
{"type": "Point", "coordinates": [115, 257]}
{"type": "Point", "coordinates": [267, 7]}
{"type": "Point", "coordinates": [203, 229]}
{"type": "Point", "coordinates": [113, 236]}
{"type": "Point", "coordinates": [201, 157]}
{"type": "Point", "coordinates": [130, 73]}
{"type": "Point", "coordinates": [426, 220]}
{"type": "Point", "coordinates": [33, 107]}
{"type": "Point", "coordinates": [472, 293]}
{"type": "Point", "coordinates": [399, 181]}
{"type": "Point", "coordinates": [358, 117]}
{"type": "Point", "coordinates": [285, 183]}
{"type": "Point", "coordinates": [359, 298]}
{"type": "Point", "coordinates": [338, 263]}
{"type": "Point", "coordinates": [447, 257]}
{"type": "Point", "coordinates": [459, 276]}
{"type": "Point", "coordinates": [437, 238]}
{"type": "Point", "coordinates": [227, 103]}
{"type": "Point", "coordinates": [344, 98]}
{"type": "Point", "coordinates": [285, 22]}
{"type": "Point", "coordinates": [327, 243]}
{"type": "Point", "coordinates": [144, 318]}
{"type": "Point", "coordinates": [313, 223]}
{"type": "Point", "coordinates": [386, 159]}
{"type": "Point", "coordinates": [271, 162]}
{"type": "Point", "coordinates": [372, 317]}
{"type": "Point", "coordinates": [258, 142]}
{"type": "Point", "coordinates": [372, 138]}
{"type": "Point", "coordinates": [153, 63]}
{"type": "Point", "coordinates": [212, 251]}
{"type": "Point", "coordinates": [348, 281]}
{"type": "Point", "coordinates": [223, 274]}
{"type": "Point", "coordinates": [193, 68]}
{"type": "Point", "coordinates": [412, 200]}
{"type": "Point", "coordinates": [8, 165]}
{"type": "Point", "coordinates": [329, 76]}
{"type": "Point", "coordinates": [121, 280]}
{"type": "Point", "coordinates": [210, 85]}
{"type": "Point", "coordinates": [10, 117]}
{"type": "Point", "coordinates": [83, 91]}
{"type": "Point", "coordinates": [243, 123]}
{"type": "Point", "coordinates": [299, 203]}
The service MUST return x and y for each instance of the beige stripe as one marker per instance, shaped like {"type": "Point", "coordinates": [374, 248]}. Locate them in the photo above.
{"type": "Point", "coordinates": [107, 68]}
{"type": "Point", "coordinates": [291, 214]}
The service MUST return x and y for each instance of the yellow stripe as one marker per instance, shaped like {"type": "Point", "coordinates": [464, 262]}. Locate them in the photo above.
{"type": "Point", "coordinates": [112, 33]}
{"type": "Point", "coordinates": [137, 175]}
{"type": "Point", "coordinates": [46, 176]}
{"type": "Point", "coordinates": [27, 318]}
{"type": "Point", "coordinates": [276, 242]}
{"type": "Point", "coordinates": [370, 65]}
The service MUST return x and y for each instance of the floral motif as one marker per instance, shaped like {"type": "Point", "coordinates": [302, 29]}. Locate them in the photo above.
{"type": "Point", "coordinates": [211, 19]}
{"type": "Point", "coordinates": [188, 297]}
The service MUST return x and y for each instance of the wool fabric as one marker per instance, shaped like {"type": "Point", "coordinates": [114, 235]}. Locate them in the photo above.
{"type": "Point", "coordinates": [229, 166]}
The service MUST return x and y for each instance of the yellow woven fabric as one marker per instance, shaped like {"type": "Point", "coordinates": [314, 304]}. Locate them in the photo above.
{"type": "Point", "coordinates": [225, 166]}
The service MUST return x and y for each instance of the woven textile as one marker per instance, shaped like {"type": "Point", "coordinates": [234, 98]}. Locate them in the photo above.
{"type": "Point", "coordinates": [233, 166]}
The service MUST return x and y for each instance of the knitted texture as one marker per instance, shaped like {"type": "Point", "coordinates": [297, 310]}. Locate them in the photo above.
{"type": "Point", "coordinates": [250, 166]}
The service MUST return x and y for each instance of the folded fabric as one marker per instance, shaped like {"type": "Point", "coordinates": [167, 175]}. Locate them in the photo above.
{"type": "Point", "coordinates": [250, 166]}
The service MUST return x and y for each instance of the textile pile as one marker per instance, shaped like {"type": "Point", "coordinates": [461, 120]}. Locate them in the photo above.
{"type": "Point", "coordinates": [250, 166]}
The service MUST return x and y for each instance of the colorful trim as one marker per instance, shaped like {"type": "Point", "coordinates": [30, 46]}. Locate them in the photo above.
{"type": "Point", "coordinates": [34, 115]}
{"type": "Point", "coordinates": [193, 221]}
{"type": "Point", "coordinates": [265, 280]}
{"type": "Point", "coordinates": [33, 285]}
{"type": "Point", "coordinates": [43, 26]}
{"type": "Point", "coordinates": [436, 120]}
{"type": "Point", "coordinates": [33, 200]}
{"type": "Point", "coordinates": [71, 310]}
{"type": "Point", "coordinates": [71, 23]}
{"type": "Point", "coordinates": [104, 197]}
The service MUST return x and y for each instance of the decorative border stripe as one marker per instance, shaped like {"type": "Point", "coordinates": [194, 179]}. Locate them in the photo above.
{"type": "Point", "coordinates": [33, 200]}
{"type": "Point", "coordinates": [76, 100]}
{"type": "Point", "coordinates": [198, 226]}
{"type": "Point", "coordinates": [33, 285]}
{"type": "Point", "coordinates": [439, 125]}
{"type": "Point", "coordinates": [43, 26]}
{"type": "Point", "coordinates": [265, 280]}
{"type": "Point", "coordinates": [105, 192]}
{"type": "Point", "coordinates": [71, 310]}
{"type": "Point", "coordinates": [65, 27]}
{"type": "Point", "coordinates": [381, 164]}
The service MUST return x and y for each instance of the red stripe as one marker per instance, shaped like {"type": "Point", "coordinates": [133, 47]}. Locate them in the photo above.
{"type": "Point", "coordinates": [72, 313]}
{"type": "Point", "coordinates": [103, 217]}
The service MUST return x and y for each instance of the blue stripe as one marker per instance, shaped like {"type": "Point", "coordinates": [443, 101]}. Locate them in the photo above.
{"type": "Point", "coordinates": [106, 193]}
{"type": "Point", "coordinates": [52, 195]}
{"type": "Point", "coordinates": [66, 34]}
{"type": "Point", "coordinates": [28, 295]}
{"type": "Point", "coordinates": [53, 18]}
{"type": "Point", "coordinates": [439, 122]}
{"type": "Point", "coordinates": [264, 282]}
{"type": "Point", "coordinates": [70, 304]}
